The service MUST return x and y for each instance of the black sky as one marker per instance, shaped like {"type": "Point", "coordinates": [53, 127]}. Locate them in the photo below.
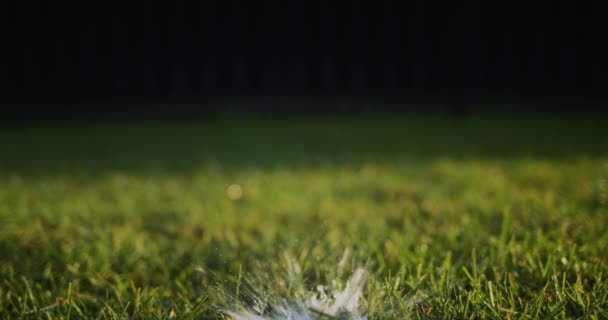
{"type": "Point", "coordinates": [99, 50]}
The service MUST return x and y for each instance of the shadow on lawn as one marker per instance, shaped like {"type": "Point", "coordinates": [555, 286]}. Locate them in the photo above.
{"type": "Point", "coordinates": [183, 147]}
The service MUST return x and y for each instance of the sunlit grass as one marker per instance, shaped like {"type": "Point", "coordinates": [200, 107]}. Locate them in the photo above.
{"type": "Point", "coordinates": [453, 219]}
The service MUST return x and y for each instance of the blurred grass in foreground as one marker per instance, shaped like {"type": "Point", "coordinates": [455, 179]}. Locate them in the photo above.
{"type": "Point", "coordinates": [488, 216]}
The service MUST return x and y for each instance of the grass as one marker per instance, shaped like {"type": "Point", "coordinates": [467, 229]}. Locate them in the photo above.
{"type": "Point", "coordinates": [487, 217]}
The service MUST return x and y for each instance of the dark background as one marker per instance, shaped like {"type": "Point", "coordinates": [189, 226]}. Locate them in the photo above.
{"type": "Point", "coordinates": [134, 59]}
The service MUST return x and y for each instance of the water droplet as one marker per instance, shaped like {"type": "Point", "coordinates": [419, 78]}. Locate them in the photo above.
{"type": "Point", "coordinates": [234, 192]}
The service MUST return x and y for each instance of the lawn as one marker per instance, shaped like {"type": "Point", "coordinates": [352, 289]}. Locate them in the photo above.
{"type": "Point", "coordinates": [485, 217]}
